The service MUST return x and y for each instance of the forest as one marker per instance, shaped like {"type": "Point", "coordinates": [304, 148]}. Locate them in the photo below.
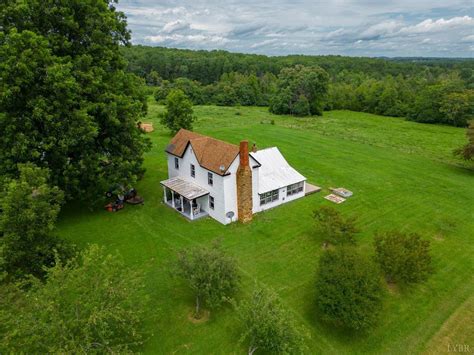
{"type": "Point", "coordinates": [420, 89]}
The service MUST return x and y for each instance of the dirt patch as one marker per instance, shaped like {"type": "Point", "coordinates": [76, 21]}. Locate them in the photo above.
{"type": "Point", "coordinates": [204, 317]}
{"type": "Point", "coordinates": [439, 237]}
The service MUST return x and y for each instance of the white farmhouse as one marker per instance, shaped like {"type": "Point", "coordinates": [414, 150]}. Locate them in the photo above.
{"type": "Point", "coordinates": [227, 182]}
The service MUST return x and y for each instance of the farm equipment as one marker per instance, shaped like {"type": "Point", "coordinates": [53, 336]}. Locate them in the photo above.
{"type": "Point", "coordinates": [130, 196]}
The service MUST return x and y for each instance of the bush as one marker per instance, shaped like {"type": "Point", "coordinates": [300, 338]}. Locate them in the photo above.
{"type": "Point", "coordinates": [92, 304]}
{"type": "Point", "coordinates": [349, 289]}
{"type": "Point", "coordinates": [333, 227]}
{"type": "Point", "coordinates": [403, 257]}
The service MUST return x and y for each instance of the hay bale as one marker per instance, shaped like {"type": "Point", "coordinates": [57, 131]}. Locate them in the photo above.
{"type": "Point", "coordinates": [147, 127]}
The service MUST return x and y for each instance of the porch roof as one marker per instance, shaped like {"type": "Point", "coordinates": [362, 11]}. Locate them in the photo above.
{"type": "Point", "coordinates": [187, 189]}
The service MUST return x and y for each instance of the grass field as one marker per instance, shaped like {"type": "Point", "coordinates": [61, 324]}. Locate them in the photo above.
{"type": "Point", "coordinates": [403, 176]}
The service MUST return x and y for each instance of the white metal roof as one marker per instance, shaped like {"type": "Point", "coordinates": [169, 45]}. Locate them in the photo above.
{"type": "Point", "coordinates": [187, 189]}
{"type": "Point", "coordinates": [275, 172]}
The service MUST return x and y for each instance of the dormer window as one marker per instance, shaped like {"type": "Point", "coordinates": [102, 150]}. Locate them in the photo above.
{"type": "Point", "coordinates": [193, 170]}
{"type": "Point", "coordinates": [176, 163]}
{"type": "Point", "coordinates": [210, 178]}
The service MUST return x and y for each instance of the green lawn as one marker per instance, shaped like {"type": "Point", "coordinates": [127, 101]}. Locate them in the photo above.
{"type": "Point", "coordinates": [403, 176]}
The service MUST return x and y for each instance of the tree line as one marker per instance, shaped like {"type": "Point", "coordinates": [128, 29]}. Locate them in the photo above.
{"type": "Point", "coordinates": [208, 66]}
{"type": "Point", "coordinates": [429, 91]}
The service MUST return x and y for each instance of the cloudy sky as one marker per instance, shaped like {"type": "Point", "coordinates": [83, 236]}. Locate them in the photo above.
{"type": "Point", "coordinates": [441, 28]}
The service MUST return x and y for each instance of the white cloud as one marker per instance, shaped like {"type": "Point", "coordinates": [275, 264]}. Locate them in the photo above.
{"type": "Point", "coordinates": [191, 39]}
{"type": "Point", "coordinates": [354, 27]}
{"type": "Point", "coordinates": [468, 39]}
{"type": "Point", "coordinates": [381, 29]}
{"type": "Point", "coordinates": [264, 43]}
{"type": "Point", "coordinates": [439, 25]}
{"type": "Point", "coordinates": [174, 26]}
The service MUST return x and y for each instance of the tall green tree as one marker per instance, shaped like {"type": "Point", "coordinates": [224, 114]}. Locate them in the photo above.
{"type": "Point", "coordinates": [458, 107]}
{"type": "Point", "coordinates": [268, 326]}
{"type": "Point", "coordinates": [66, 100]}
{"type": "Point", "coordinates": [403, 257]}
{"type": "Point", "coordinates": [91, 304]}
{"type": "Point", "coordinates": [28, 212]}
{"type": "Point", "coordinates": [211, 274]}
{"type": "Point", "coordinates": [301, 88]}
{"type": "Point", "coordinates": [349, 290]}
{"type": "Point", "coordinates": [179, 111]}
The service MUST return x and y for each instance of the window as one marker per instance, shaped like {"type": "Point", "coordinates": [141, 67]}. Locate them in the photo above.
{"type": "Point", "coordinates": [269, 197]}
{"type": "Point", "coordinates": [193, 171]}
{"type": "Point", "coordinates": [295, 188]}
{"type": "Point", "coordinates": [211, 202]}
{"type": "Point", "coordinates": [210, 179]}
{"type": "Point", "coordinates": [176, 163]}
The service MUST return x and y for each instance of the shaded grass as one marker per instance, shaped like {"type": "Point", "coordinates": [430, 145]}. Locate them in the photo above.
{"type": "Point", "coordinates": [403, 176]}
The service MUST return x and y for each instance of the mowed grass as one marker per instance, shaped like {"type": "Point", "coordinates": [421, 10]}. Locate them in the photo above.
{"type": "Point", "coordinates": [403, 176]}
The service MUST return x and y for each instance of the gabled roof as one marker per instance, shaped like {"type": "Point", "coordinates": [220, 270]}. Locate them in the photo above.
{"type": "Point", "coordinates": [211, 153]}
{"type": "Point", "coordinates": [274, 172]}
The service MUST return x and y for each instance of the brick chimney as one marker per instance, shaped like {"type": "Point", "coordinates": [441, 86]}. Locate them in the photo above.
{"type": "Point", "coordinates": [244, 184]}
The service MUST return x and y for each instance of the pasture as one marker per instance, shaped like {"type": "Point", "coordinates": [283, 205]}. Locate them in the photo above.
{"type": "Point", "coordinates": [403, 176]}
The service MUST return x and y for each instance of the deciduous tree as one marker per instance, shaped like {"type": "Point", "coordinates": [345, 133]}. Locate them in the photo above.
{"type": "Point", "coordinates": [467, 152]}
{"type": "Point", "coordinates": [349, 290]}
{"type": "Point", "coordinates": [66, 100]}
{"type": "Point", "coordinates": [210, 273]}
{"type": "Point", "coordinates": [29, 208]}
{"type": "Point", "coordinates": [458, 107]}
{"type": "Point", "coordinates": [333, 227]}
{"type": "Point", "coordinates": [300, 85]}
{"type": "Point", "coordinates": [268, 326]}
{"type": "Point", "coordinates": [91, 304]}
{"type": "Point", "coordinates": [179, 111]}
{"type": "Point", "coordinates": [403, 257]}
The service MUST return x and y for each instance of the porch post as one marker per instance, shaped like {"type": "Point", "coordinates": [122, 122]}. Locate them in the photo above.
{"type": "Point", "coordinates": [164, 194]}
{"type": "Point", "coordinates": [172, 199]}
{"type": "Point", "coordinates": [191, 209]}
{"type": "Point", "coordinates": [182, 203]}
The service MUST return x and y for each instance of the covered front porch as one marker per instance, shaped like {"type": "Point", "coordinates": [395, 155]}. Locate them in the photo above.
{"type": "Point", "coordinates": [186, 197]}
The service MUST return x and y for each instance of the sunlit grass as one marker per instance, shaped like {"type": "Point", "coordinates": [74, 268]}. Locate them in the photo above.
{"type": "Point", "coordinates": [403, 176]}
